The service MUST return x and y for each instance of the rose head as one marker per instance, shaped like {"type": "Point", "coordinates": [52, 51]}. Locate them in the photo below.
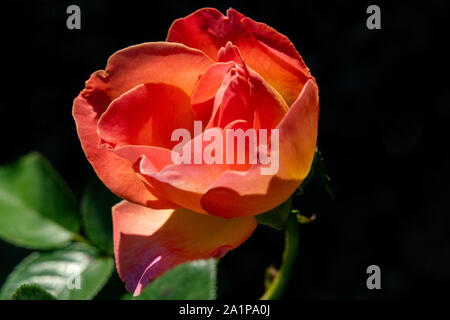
{"type": "Point", "coordinates": [229, 72]}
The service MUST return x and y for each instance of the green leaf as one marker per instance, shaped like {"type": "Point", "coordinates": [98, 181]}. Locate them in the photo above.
{"type": "Point", "coordinates": [73, 273]}
{"type": "Point", "coordinates": [96, 215]}
{"type": "Point", "coordinates": [194, 280]}
{"type": "Point", "coordinates": [37, 209]}
{"type": "Point", "coordinates": [277, 217]}
{"type": "Point", "coordinates": [31, 292]}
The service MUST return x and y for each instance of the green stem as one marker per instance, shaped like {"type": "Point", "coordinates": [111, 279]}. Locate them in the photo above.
{"type": "Point", "coordinates": [279, 283]}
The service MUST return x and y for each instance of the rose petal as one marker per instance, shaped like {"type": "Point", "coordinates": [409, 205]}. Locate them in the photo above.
{"type": "Point", "coordinates": [205, 29]}
{"type": "Point", "coordinates": [149, 242]}
{"type": "Point", "coordinates": [146, 115]}
{"type": "Point", "coordinates": [269, 105]}
{"type": "Point", "coordinates": [203, 97]}
{"type": "Point", "coordinates": [240, 97]}
{"type": "Point", "coordinates": [249, 192]}
{"type": "Point", "coordinates": [229, 91]}
{"type": "Point", "coordinates": [170, 63]}
{"type": "Point", "coordinates": [184, 184]}
{"type": "Point", "coordinates": [265, 50]}
{"type": "Point", "coordinates": [230, 53]}
{"type": "Point", "coordinates": [159, 157]}
{"type": "Point", "coordinates": [116, 172]}
{"type": "Point", "coordinates": [245, 95]}
{"type": "Point", "coordinates": [232, 101]}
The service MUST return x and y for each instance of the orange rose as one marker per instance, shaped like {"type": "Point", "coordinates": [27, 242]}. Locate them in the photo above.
{"type": "Point", "coordinates": [227, 71]}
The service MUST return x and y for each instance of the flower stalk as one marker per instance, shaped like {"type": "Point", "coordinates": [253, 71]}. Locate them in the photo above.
{"type": "Point", "coordinates": [279, 283]}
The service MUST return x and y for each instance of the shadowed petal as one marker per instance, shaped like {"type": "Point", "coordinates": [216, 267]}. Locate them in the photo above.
{"type": "Point", "coordinates": [149, 242]}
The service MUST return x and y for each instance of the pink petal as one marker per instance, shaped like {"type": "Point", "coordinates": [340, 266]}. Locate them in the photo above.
{"type": "Point", "coordinates": [149, 242]}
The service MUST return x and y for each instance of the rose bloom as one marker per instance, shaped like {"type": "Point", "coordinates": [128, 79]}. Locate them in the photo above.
{"type": "Point", "coordinates": [228, 72]}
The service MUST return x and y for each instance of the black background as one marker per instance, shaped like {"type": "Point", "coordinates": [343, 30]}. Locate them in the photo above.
{"type": "Point", "coordinates": [384, 100]}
